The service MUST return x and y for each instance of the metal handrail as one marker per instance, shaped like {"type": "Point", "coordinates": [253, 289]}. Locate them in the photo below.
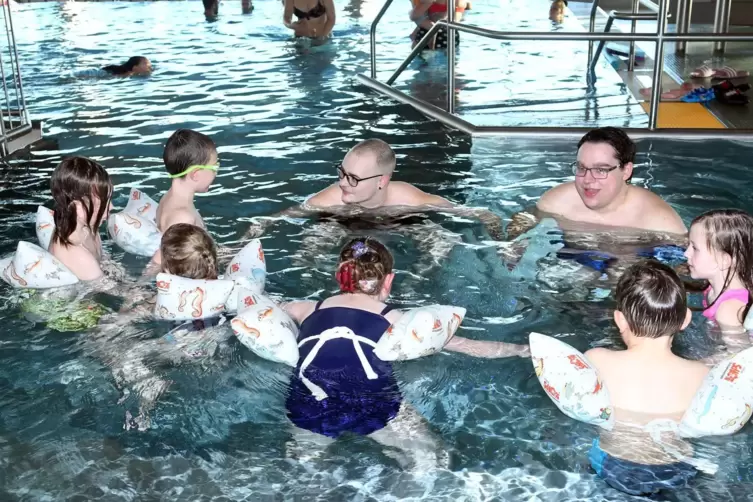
{"type": "Point", "coordinates": [17, 116]}
{"type": "Point", "coordinates": [612, 16]}
{"type": "Point", "coordinates": [447, 117]}
{"type": "Point", "coordinates": [372, 40]}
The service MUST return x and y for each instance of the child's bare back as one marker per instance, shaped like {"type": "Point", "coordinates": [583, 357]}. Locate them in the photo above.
{"type": "Point", "coordinates": [658, 384]}
{"type": "Point", "coordinates": [172, 210]}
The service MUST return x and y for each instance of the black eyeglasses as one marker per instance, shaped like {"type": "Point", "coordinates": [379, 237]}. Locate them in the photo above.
{"type": "Point", "coordinates": [353, 180]}
{"type": "Point", "coordinates": [599, 173]}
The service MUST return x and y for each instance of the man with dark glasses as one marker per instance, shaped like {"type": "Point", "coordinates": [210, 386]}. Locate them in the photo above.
{"type": "Point", "coordinates": [365, 185]}
{"type": "Point", "coordinates": [600, 200]}
{"type": "Point", "coordinates": [601, 193]}
{"type": "Point", "coordinates": [365, 181]}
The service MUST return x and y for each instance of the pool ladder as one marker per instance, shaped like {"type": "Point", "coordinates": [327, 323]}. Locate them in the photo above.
{"type": "Point", "coordinates": [16, 129]}
{"type": "Point", "coordinates": [449, 118]}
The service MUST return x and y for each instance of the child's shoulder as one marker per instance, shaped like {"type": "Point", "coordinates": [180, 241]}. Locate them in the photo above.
{"type": "Point", "coordinates": [600, 353]}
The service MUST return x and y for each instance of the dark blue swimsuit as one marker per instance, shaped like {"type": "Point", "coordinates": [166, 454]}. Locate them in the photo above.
{"type": "Point", "coordinates": [339, 384]}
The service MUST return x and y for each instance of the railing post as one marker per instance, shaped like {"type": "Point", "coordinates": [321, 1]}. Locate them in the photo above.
{"type": "Point", "coordinates": [372, 38]}
{"type": "Point", "coordinates": [633, 25]}
{"type": "Point", "coordinates": [721, 23]}
{"type": "Point", "coordinates": [661, 27]}
{"type": "Point", "coordinates": [592, 28]}
{"type": "Point", "coordinates": [684, 12]}
{"type": "Point", "coordinates": [451, 57]}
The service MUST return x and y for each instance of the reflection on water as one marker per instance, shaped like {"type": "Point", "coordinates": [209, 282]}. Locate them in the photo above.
{"type": "Point", "coordinates": [283, 113]}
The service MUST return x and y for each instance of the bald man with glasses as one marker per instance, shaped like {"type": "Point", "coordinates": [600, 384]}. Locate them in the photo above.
{"type": "Point", "coordinates": [366, 181]}
{"type": "Point", "coordinates": [365, 186]}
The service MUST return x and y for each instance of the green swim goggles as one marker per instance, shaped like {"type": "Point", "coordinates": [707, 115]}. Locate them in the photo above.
{"type": "Point", "coordinates": [195, 168]}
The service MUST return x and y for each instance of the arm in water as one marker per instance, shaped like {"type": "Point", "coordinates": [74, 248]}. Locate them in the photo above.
{"type": "Point", "coordinates": [260, 223]}
{"type": "Point", "coordinates": [487, 349]}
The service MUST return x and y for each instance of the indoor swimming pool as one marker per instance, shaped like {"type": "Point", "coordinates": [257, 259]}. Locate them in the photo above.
{"type": "Point", "coordinates": [283, 114]}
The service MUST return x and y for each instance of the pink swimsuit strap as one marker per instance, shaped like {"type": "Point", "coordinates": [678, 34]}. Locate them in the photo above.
{"type": "Point", "coordinates": [731, 294]}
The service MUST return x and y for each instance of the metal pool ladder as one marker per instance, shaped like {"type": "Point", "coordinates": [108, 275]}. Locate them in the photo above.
{"type": "Point", "coordinates": [16, 128]}
{"type": "Point", "coordinates": [449, 118]}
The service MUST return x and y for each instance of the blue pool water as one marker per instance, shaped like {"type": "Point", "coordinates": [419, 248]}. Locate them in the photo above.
{"type": "Point", "coordinates": [283, 113]}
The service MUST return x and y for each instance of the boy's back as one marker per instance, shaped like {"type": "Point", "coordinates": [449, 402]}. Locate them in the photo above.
{"type": "Point", "coordinates": [656, 384]}
{"type": "Point", "coordinates": [172, 210]}
{"type": "Point", "coordinates": [649, 386]}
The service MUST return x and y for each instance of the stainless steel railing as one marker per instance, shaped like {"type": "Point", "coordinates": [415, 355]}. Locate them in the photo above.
{"type": "Point", "coordinates": [448, 117]}
{"type": "Point", "coordinates": [14, 117]}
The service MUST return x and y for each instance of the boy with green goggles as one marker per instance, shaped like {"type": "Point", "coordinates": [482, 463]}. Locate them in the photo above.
{"type": "Point", "coordinates": [191, 163]}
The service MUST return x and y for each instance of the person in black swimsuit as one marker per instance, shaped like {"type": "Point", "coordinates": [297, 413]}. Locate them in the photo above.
{"type": "Point", "coordinates": [314, 20]}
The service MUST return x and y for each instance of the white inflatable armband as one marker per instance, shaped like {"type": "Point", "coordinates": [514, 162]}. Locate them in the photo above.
{"type": "Point", "coordinates": [240, 284]}
{"type": "Point", "coordinates": [265, 329]}
{"type": "Point", "coordinates": [724, 401]}
{"type": "Point", "coordinates": [419, 332]}
{"type": "Point", "coordinates": [136, 235]}
{"type": "Point", "coordinates": [571, 381]}
{"type": "Point", "coordinates": [45, 226]}
{"type": "Point", "coordinates": [181, 299]}
{"type": "Point", "coordinates": [141, 205]}
{"type": "Point", "coordinates": [249, 263]}
{"type": "Point", "coordinates": [33, 267]}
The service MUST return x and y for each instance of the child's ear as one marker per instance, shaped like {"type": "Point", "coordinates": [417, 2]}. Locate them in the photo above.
{"type": "Point", "coordinates": [620, 321]}
{"type": "Point", "coordinates": [80, 211]}
{"type": "Point", "coordinates": [688, 318]}
{"type": "Point", "coordinates": [726, 261]}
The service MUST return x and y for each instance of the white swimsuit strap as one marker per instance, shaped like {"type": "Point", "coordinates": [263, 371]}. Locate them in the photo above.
{"type": "Point", "coordinates": [321, 339]}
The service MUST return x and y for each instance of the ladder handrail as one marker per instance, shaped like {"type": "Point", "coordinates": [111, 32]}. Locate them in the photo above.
{"type": "Point", "coordinates": [373, 35]}
{"type": "Point", "coordinates": [660, 37]}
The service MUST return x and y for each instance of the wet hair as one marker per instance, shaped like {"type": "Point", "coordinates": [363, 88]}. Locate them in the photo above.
{"type": "Point", "coordinates": [188, 251]}
{"type": "Point", "coordinates": [186, 148]}
{"type": "Point", "coordinates": [126, 67]}
{"type": "Point", "coordinates": [730, 231]}
{"type": "Point", "coordinates": [652, 298]}
{"type": "Point", "coordinates": [364, 264]}
{"type": "Point", "coordinates": [384, 154]}
{"type": "Point", "coordinates": [78, 179]}
{"type": "Point", "coordinates": [624, 147]}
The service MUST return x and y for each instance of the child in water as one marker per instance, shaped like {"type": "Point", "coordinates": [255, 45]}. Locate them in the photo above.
{"type": "Point", "coordinates": [721, 252]}
{"type": "Point", "coordinates": [187, 251]}
{"type": "Point", "coordinates": [340, 385]}
{"type": "Point", "coordinates": [647, 384]}
{"type": "Point", "coordinates": [81, 190]}
{"type": "Point", "coordinates": [191, 162]}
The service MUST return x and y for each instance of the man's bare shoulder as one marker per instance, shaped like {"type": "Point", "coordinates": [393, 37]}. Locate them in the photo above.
{"type": "Point", "coordinates": [329, 197]}
{"type": "Point", "coordinates": [558, 200]}
{"type": "Point", "coordinates": [405, 194]}
{"type": "Point", "coordinates": [662, 217]}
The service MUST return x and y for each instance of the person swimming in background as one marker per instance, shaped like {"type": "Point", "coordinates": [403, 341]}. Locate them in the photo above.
{"type": "Point", "coordinates": [81, 191]}
{"type": "Point", "coordinates": [316, 18]}
{"type": "Point", "coordinates": [339, 384]}
{"type": "Point", "coordinates": [557, 10]}
{"type": "Point", "coordinates": [648, 385]}
{"type": "Point", "coordinates": [720, 251]}
{"type": "Point", "coordinates": [426, 13]}
{"type": "Point", "coordinates": [211, 8]}
{"type": "Point", "coordinates": [136, 65]}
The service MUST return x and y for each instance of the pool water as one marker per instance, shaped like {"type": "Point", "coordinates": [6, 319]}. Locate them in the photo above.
{"type": "Point", "coordinates": [283, 113]}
